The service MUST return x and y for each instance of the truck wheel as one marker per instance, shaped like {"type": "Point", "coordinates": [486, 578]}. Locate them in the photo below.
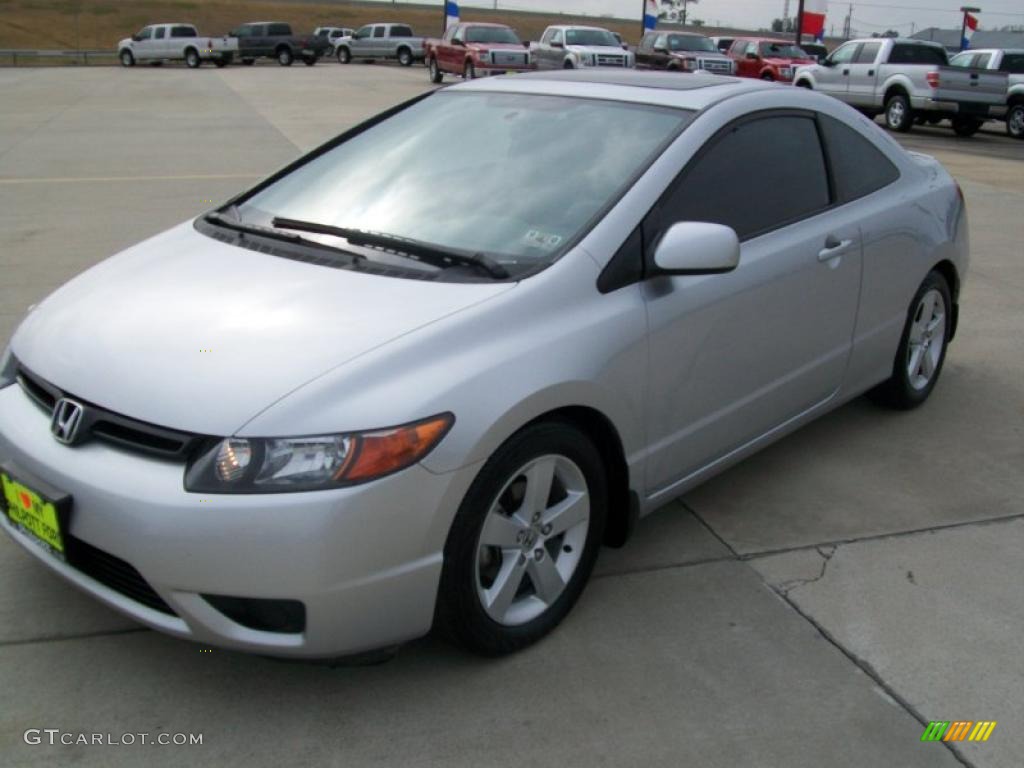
{"type": "Point", "coordinates": [898, 116]}
{"type": "Point", "coordinates": [192, 58]}
{"type": "Point", "coordinates": [405, 57]}
{"type": "Point", "coordinates": [768, 77]}
{"type": "Point", "coordinates": [248, 62]}
{"type": "Point", "coordinates": [284, 57]}
{"type": "Point", "coordinates": [127, 59]}
{"type": "Point", "coordinates": [220, 63]}
{"type": "Point", "coordinates": [309, 61]}
{"type": "Point", "coordinates": [344, 55]}
{"type": "Point", "coordinates": [805, 84]}
{"type": "Point", "coordinates": [436, 75]}
{"type": "Point", "coordinates": [966, 126]}
{"type": "Point", "coordinates": [1015, 121]}
{"type": "Point", "coordinates": [469, 72]}
{"type": "Point", "coordinates": [568, 65]}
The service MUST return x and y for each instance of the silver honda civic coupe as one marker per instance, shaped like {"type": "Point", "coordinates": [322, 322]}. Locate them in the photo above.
{"type": "Point", "coordinates": [419, 377]}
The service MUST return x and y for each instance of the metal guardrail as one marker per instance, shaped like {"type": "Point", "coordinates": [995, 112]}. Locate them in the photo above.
{"type": "Point", "coordinates": [26, 56]}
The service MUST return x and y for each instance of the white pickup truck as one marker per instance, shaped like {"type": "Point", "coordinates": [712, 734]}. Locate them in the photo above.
{"type": "Point", "coordinates": [907, 80]}
{"type": "Point", "coordinates": [1010, 61]}
{"type": "Point", "coordinates": [175, 42]}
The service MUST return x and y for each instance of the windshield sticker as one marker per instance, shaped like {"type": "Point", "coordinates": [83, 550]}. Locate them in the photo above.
{"type": "Point", "coordinates": [539, 239]}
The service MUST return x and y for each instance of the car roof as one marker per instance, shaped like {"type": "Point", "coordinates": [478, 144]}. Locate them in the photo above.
{"type": "Point", "coordinates": [766, 40]}
{"type": "Point", "coordinates": [483, 24]}
{"type": "Point", "coordinates": [578, 26]}
{"type": "Point", "coordinates": [694, 91]}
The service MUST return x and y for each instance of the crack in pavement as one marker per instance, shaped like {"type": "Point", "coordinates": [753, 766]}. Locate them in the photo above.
{"type": "Point", "coordinates": [826, 552]}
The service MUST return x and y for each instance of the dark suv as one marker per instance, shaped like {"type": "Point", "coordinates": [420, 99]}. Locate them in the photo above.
{"type": "Point", "coordinates": [274, 40]}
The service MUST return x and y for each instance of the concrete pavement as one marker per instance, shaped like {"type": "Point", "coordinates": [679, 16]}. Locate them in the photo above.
{"type": "Point", "coordinates": [812, 606]}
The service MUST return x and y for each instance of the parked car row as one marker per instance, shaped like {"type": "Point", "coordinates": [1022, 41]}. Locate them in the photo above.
{"type": "Point", "coordinates": [910, 81]}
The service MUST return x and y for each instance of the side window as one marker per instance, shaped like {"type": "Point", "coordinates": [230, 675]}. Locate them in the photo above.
{"type": "Point", "coordinates": [183, 32]}
{"type": "Point", "coordinates": [145, 33]}
{"type": "Point", "coordinates": [647, 42]}
{"type": "Point", "coordinates": [363, 32]}
{"type": "Point", "coordinates": [279, 30]}
{"type": "Point", "coordinates": [160, 32]}
{"type": "Point", "coordinates": [858, 167]}
{"type": "Point", "coordinates": [868, 53]}
{"type": "Point", "coordinates": [779, 191]}
{"type": "Point", "coordinates": [962, 60]}
{"type": "Point", "coordinates": [845, 54]}
{"type": "Point", "coordinates": [459, 33]}
{"type": "Point", "coordinates": [379, 31]}
{"type": "Point", "coordinates": [400, 30]}
{"type": "Point", "coordinates": [556, 36]}
{"type": "Point", "coordinates": [1012, 63]}
{"type": "Point", "coordinates": [905, 53]}
{"type": "Point", "coordinates": [981, 60]}
{"type": "Point", "coordinates": [661, 42]}
{"type": "Point", "coordinates": [751, 48]}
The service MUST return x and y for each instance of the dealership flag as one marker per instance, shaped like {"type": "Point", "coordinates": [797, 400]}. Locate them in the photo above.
{"type": "Point", "coordinates": [451, 13]}
{"type": "Point", "coordinates": [650, 15]}
{"type": "Point", "coordinates": [970, 25]}
{"type": "Point", "coordinates": [814, 18]}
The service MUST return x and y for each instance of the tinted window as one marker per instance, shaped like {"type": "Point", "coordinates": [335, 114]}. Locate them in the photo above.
{"type": "Point", "coordinates": [363, 32]}
{"type": "Point", "coordinates": [962, 60]}
{"type": "Point", "coordinates": [401, 31]}
{"type": "Point", "coordinates": [858, 167]}
{"type": "Point", "coordinates": [905, 53]}
{"type": "Point", "coordinates": [690, 43]}
{"type": "Point", "coordinates": [781, 161]}
{"type": "Point", "coordinates": [845, 54]}
{"type": "Point", "coordinates": [160, 32]}
{"type": "Point", "coordinates": [647, 43]}
{"type": "Point", "coordinates": [491, 35]}
{"type": "Point", "coordinates": [1012, 63]}
{"type": "Point", "coordinates": [183, 32]}
{"type": "Point", "coordinates": [867, 53]}
{"type": "Point", "coordinates": [145, 34]}
{"type": "Point", "coordinates": [378, 31]}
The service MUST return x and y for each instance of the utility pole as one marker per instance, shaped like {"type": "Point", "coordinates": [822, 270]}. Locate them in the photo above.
{"type": "Point", "coordinates": [799, 21]}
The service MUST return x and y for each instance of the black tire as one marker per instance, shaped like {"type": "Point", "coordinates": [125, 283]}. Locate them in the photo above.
{"type": "Point", "coordinates": [805, 84]}
{"type": "Point", "coordinates": [405, 57]}
{"type": "Point", "coordinates": [220, 63]}
{"type": "Point", "coordinates": [192, 60]}
{"type": "Point", "coordinates": [460, 615]}
{"type": "Point", "coordinates": [1015, 121]}
{"type": "Point", "coordinates": [898, 115]}
{"type": "Point", "coordinates": [248, 62]}
{"type": "Point", "coordinates": [436, 75]}
{"type": "Point", "coordinates": [344, 55]}
{"type": "Point", "coordinates": [966, 126]}
{"type": "Point", "coordinates": [127, 58]}
{"type": "Point", "coordinates": [469, 71]}
{"type": "Point", "coordinates": [309, 61]}
{"type": "Point", "coordinates": [768, 76]}
{"type": "Point", "coordinates": [284, 57]}
{"type": "Point", "coordinates": [568, 65]}
{"type": "Point", "coordinates": [898, 391]}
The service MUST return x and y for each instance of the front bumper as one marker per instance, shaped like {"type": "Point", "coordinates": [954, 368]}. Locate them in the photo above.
{"type": "Point", "coordinates": [364, 561]}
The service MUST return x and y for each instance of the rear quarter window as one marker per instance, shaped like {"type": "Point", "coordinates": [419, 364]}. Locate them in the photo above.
{"type": "Point", "coordinates": [1012, 63]}
{"type": "Point", "coordinates": [280, 30]}
{"type": "Point", "coordinates": [401, 31]}
{"type": "Point", "coordinates": [903, 53]}
{"type": "Point", "coordinates": [858, 166]}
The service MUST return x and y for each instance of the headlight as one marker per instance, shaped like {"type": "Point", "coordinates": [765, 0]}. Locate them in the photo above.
{"type": "Point", "coordinates": [689, 64]}
{"type": "Point", "coordinates": [7, 373]}
{"type": "Point", "coordinates": [278, 465]}
{"type": "Point", "coordinates": [586, 59]}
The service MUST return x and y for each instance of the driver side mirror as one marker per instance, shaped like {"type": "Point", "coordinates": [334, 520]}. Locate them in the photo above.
{"type": "Point", "coordinates": [697, 248]}
{"type": "Point", "coordinates": [752, 56]}
{"type": "Point", "coordinates": [526, 43]}
{"type": "Point", "coordinates": [659, 49]}
{"type": "Point", "coordinates": [828, 62]}
{"type": "Point", "coordinates": [136, 39]}
{"type": "Point", "coordinates": [459, 43]}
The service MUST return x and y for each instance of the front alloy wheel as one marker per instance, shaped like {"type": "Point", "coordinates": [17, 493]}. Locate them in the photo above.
{"type": "Point", "coordinates": [524, 540]}
{"type": "Point", "coordinates": [898, 116]}
{"type": "Point", "coordinates": [1015, 121]}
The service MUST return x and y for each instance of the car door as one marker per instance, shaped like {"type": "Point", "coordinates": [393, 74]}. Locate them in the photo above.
{"type": "Point", "coordinates": [644, 51]}
{"type": "Point", "coordinates": [748, 60]}
{"type": "Point", "coordinates": [833, 77]}
{"type": "Point", "coordinates": [378, 46]}
{"type": "Point", "coordinates": [660, 56]}
{"type": "Point", "coordinates": [361, 41]}
{"type": "Point", "coordinates": [143, 46]}
{"type": "Point", "coordinates": [863, 75]}
{"type": "Point", "coordinates": [454, 52]}
{"type": "Point", "coordinates": [736, 355]}
{"type": "Point", "coordinates": [554, 51]}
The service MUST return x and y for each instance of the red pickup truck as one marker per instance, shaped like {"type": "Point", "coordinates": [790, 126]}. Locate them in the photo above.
{"type": "Point", "coordinates": [768, 59]}
{"type": "Point", "coordinates": [476, 49]}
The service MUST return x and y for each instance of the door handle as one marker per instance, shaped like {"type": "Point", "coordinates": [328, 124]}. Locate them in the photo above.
{"type": "Point", "coordinates": [833, 247]}
{"type": "Point", "coordinates": [871, 73]}
{"type": "Point", "coordinates": [846, 71]}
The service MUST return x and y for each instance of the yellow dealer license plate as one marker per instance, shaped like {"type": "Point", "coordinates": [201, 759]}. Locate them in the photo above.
{"type": "Point", "coordinates": [33, 513]}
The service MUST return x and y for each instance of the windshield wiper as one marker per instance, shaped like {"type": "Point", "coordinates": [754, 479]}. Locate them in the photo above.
{"type": "Point", "coordinates": [244, 227]}
{"type": "Point", "coordinates": [429, 254]}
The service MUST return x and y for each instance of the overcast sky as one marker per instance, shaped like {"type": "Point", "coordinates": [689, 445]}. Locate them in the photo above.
{"type": "Point", "coordinates": [869, 16]}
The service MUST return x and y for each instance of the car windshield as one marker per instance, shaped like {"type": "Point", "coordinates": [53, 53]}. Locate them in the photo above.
{"type": "Point", "coordinates": [782, 51]}
{"type": "Point", "coordinates": [491, 35]}
{"type": "Point", "coordinates": [690, 43]}
{"type": "Point", "coordinates": [529, 178]}
{"type": "Point", "coordinates": [590, 37]}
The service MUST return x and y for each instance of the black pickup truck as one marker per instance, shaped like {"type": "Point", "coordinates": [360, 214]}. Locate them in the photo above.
{"type": "Point", "coordinates": [274, 40]}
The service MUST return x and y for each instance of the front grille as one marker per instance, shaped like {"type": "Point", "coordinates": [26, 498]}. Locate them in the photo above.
{"type": "Point", "coordinates": [113, 572]}
{"type": "Point", "coordinates": [718, 66]}
{"type": "Point", "coordinates": [508, 59]}
{"type": "Point", "coordinates": [610, 60]}
{"type": "Point", "coordinates": [97, 422]}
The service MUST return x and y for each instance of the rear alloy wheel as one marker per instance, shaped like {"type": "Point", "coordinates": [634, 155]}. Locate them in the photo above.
{"type": "Point", "coordinates": [436, 76]}
{"type": "Point", "coordinates": [405, 57]}
{"type": "Point", "coordinates": [524, 540]}
{"type": "Point", "coordinates": [285, 57]}
{"type": "Point", "coordinates": [922, 349]}
{"type": "Point", "coordinates": [966, 126]}
{"type": "Point", "coordinates": [127, 59]}
{"type": "Point", "coordinates": [898, 116]}
{"type": "Point", "coordinates": [192, 59]}
{"type": "Point", "coordinates": [344, 55]}
{"type": "Point", "coordinates": [1015, 121]}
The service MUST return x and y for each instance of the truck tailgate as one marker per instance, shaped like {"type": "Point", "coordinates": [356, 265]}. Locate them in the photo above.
{"type": "Point", "coordinates": [972, 86]}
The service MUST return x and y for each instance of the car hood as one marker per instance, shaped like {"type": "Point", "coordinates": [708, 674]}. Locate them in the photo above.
{"type": "Point", "coordinates": [713, 55]}
{"type": "Point", "coordinates": [786, 62]}
{"type": "Point", "coordinates": [596, 49]}
{"type": "Point", "coordinates": [187, 332]}
{"type": "Point", "coordinates": [499, 46]}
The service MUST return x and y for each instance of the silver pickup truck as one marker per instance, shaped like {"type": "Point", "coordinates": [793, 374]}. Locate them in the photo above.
{"type": "Point", "coordinates": [572, 47]}
{"type": "Point", "coordinates": [1010, 61]}
{"type": "Point", "coordinates": [381, 41]}
{"type": "Point", "coordinates": [175, 42]}
{"type": "Point", "coordinates": [907, 80]}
